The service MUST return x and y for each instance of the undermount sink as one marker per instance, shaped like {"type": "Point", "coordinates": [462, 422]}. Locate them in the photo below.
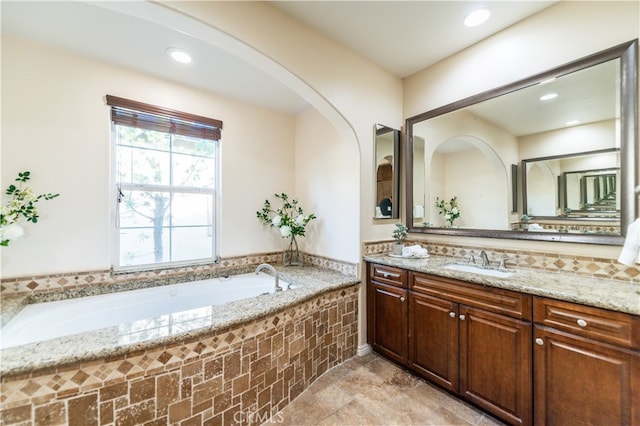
{"type": "Point", "coordinates": [476, 269]}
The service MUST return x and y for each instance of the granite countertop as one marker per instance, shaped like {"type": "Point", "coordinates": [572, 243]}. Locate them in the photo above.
{"type": "Point", "coordinates": [616, 295]}
{"type": "Point", "coordinates": [309, 281]}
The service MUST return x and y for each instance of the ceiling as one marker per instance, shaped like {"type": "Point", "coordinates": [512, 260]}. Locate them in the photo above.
{"type": "Point", "coordinates": [400, 36]}
{"type": "Point", "coordinates": [404, 37]}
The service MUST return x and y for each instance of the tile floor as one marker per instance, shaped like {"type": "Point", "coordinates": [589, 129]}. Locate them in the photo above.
{"type": "Point", "coordinates": [369, 390]}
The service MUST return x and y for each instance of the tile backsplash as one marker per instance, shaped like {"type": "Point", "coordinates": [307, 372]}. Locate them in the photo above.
{"type": "Point", "coordinates": [102, 281]}
{"type": "Point", "coordinates": [548, 262]}
{"type": "Point", "coordinates": [88, 283]}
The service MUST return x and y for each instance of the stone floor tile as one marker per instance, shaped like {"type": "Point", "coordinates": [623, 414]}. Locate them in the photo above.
{"type": "Point", "coordinates": [487, 420]}
{"type": "Point", "coordinates": [333, 397]}
{"type": "Point", "coordinates": [305, 410]}
{"type": "Point", "coordinates": [352, 414]}
{"type": "Point", "coordinates": [370, 390]}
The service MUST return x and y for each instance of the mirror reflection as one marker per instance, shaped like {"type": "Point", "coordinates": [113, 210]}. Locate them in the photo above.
{"type": "Point", "coordinates": [567, 130]}
{"type": "Point", "coordinates": [598, 192]}
{"type": "Point", "coordinates": [387, 180]}
{"type": "Point", "coordinates": [575, 186]}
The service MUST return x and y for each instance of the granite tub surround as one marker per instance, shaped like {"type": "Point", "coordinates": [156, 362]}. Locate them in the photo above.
{"type": "Point", "coordinates": [233, 370]}
{"type": "Point", "coordinates": [112, 341]}
{"type": "Point", "coordinates": [16, 293]}
{"type": "Point", "coordinates": [610, 294]}
{"type": "Point", "coordinates": [10, 306]}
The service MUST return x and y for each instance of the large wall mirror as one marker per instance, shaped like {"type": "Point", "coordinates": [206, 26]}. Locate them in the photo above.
{"type": "Point", "coordinates": [387, 170]}
{"type": "Point", "coordinates": [552, 157]}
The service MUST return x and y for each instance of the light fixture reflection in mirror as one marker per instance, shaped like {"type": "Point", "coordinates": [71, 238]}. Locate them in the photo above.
{"type": "Point", "coordinates": [387, 172]}
{"type": "Point", "coordinates": [502, 127]}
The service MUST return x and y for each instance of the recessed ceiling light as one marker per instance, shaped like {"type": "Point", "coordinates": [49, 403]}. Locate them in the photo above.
{"type": "Point", "coordinates": [179, 55]}
{"type": "Point", "coordinates": [477, 17]}
{"type": "Point", "coordinates": [548, 96]}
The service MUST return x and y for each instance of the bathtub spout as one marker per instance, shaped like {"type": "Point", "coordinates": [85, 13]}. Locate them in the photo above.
{"type": "Point", "coordinates": [272, 269]}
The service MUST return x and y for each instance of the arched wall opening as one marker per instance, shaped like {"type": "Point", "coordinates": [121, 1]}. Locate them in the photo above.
{"type": "Point", "coordinates": [466, 167]}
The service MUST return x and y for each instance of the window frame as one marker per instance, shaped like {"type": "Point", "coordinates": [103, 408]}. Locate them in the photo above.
{"type": "Point", "coordinates": [116, 186]}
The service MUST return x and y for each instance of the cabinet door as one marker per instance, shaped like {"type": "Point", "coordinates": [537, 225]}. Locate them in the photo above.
{"type": "Point", "coordinates": [495, 364]}
{"type": "Point", "coordinates": [581, 381]}
{"type": "Point", "coordinates": [389, 321]}
{"type": "Point", "coordinates": [433, 339]}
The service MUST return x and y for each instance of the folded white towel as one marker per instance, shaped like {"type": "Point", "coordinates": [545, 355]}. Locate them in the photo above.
{"type": "Point", "coordinates": [414, 251]}
{"type": "Point", "coordinates": [418, 211]}
{"type": "Point", "coordinates": [535, 227]}
{"type": "Point", "coordinates": [631, 248]}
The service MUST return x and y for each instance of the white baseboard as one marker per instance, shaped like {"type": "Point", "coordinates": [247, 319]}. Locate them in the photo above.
{"type": "Point", "coordinates": [364, 349]}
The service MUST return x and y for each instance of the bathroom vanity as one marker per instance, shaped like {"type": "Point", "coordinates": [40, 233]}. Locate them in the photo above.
{"type": "Point", "coordinates": [532, 348]}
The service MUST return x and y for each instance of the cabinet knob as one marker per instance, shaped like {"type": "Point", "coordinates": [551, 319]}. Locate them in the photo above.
{"type": "Point", "coordinates": [462, 317]}
{"type": "Point", "coordinates": [402, 299]}
{"type": "Point", "coordinates": [539, 341]}
{"type": "Point", "coordinates": [582, 323]}
{"type": "Point", "coordinates": [452, 314]}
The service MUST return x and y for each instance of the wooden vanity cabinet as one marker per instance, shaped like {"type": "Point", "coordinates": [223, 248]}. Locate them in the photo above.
{"type": "Point", "coordinates": [387, 311]}
{"type": "Point", "coordinates": [474, 341]}
{"type": "Point", "coordinates": [576, 365]}
{"type": "Point", "coordinates": [587, 365]}
{"type": "Point", "coordinates": [433, 339]}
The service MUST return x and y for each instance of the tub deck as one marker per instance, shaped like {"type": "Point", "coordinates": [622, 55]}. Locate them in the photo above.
{"type": "Point", "coordinates": [117, 340]}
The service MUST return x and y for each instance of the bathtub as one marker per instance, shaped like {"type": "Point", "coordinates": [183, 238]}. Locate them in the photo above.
{"type": "Point", "coordinates": [137, 313]}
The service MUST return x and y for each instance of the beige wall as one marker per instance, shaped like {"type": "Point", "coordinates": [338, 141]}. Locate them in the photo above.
{"type": "Point", "coordinates": [588, 137]}
{"type": "Point", "coordinates": [324, 156]}
{"type": "Point", "coordinates": [559, 34]}
{"type": "Point", "coordinates": [326, 176]}
{"type": "Point", "coordinates": [56, 124]}
{"type": "Point", "coordinates": [350, 92]}
{"type": "Point", "coordinates": [348, 96]}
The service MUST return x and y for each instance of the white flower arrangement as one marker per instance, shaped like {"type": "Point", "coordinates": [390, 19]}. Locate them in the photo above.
{"type": "Point", "coordinates": [289, 219]}
{"type": "Point", "coordinates": [449, 211]}
{"type": "Point", "coordinates": [22, 204]}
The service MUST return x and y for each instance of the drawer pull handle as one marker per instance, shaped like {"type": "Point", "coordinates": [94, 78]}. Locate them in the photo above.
{"type": "Point", "coordinates": [462, 317]}
{"type": "Point", "coordinates": [539, 341]}
{"type": "Point", "coordinates": [388, 274]}
{"type": "Point", "coordinates": [402, 299]}
{"type": "Point", "coordinates": [452, 314]}
{"type": "Point", "coordinates": [582, 323]}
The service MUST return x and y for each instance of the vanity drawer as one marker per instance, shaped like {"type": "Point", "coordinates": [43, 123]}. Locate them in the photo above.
{"type": "Point", "coordinates": [599, 324]}
{"type": "Point", "coordinates": [506, 302]}
{"type": "Point", "coordinates": [388, 275]}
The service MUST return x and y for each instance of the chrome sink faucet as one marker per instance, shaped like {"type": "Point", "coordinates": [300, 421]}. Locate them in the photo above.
{"type": "Point", "coordinates": [485, 258]}
{"type": "Point", "coordinates": [273, 270]}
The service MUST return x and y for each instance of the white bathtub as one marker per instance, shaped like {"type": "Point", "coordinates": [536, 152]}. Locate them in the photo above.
{"type": "Point", "coordinates": [157, 310]}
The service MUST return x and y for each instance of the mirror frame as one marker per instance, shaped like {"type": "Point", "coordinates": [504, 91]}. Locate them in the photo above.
{"type": "Point", "coordinates": [380, 129]}
{"type": "Point", "coordinates": [628, 55]}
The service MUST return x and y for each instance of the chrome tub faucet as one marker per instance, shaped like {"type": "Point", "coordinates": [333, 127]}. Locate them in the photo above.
{"type": "Point", "coordinates": [273, 270]}
{"type": "Point", "coordinates": [485, 258]}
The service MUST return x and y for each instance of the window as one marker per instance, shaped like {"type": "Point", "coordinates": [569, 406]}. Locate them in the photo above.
{"type": "Point", "coordinates": [165, 168]}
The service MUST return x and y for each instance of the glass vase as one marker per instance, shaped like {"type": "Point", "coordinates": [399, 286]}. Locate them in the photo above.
{"type": "Point", "coordinates": [291, 255]}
